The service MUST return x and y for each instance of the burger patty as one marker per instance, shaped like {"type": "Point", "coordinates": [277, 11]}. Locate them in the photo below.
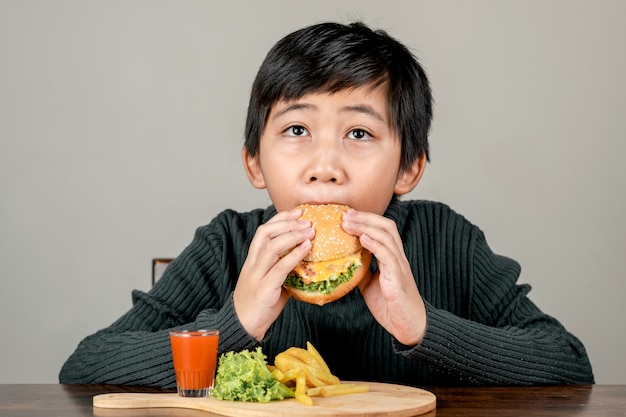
{"type": "Point", "coordinates": [324, 270]}
{"type": "Point", "coordinates": [325, 286]}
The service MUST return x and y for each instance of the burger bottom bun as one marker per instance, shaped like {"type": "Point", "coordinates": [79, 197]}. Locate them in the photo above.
{"type": "Point", "coordinates": [339, 291]}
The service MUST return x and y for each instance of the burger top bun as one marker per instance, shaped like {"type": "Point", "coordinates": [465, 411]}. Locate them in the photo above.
{"type": "Point", "coordinates": [331, 241]}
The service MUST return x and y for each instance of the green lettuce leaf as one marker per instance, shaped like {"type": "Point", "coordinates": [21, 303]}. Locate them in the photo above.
{"type": "Point", "coordinates": [244, 376]}
{"type": "Point", "coordinates": [325, 287]}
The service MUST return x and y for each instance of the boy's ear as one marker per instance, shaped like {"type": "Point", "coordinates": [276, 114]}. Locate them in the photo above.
{"type": "Point", "coordinates": [253, 169]}
{"type": "Point", "coordinates": [409, 178]}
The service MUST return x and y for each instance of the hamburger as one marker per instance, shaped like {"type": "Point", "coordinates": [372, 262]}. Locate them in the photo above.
{"type": "Point", "coordinates": [336, 263]}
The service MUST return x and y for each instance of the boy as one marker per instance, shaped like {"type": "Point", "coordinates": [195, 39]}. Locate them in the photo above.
{"type": "Point", "coordinates": [340, 113]}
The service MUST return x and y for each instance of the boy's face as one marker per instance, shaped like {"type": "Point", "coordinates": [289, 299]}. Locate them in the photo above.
{"type": "Point", "coordinates": [331, 148]}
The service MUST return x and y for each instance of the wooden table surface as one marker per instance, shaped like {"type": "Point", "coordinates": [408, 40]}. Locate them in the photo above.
{"type": "Point", "coordinates": [55, 400]}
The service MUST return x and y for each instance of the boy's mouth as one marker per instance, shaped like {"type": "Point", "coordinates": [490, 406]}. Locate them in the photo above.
{"type": "Point", "coordinates": [317, 203]}
{"type": "Point", "coordinates": [320, 202]}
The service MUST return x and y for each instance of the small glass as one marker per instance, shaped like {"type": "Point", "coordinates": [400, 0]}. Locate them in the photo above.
{"type": "Point", "coordinates": [194, 353]}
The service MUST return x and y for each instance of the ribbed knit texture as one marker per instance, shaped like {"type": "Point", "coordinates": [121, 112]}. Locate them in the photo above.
{"type": "Point", "coordinates": [482, 328]}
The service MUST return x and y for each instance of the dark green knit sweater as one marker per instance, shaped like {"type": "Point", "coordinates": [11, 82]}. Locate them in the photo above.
{"type": "Point", "coordinates": [482, 328]}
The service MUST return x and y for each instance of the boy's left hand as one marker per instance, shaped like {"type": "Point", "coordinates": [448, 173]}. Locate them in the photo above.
{"type": "Point", "coordinates": [391, 295]}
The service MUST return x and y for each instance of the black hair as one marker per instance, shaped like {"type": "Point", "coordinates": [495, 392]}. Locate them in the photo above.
{"type": "Point", "coordinates": [331, 57]}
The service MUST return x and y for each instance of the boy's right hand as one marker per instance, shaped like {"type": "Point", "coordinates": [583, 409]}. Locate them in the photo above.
{"type": "Point", "coordinates": [275, 250]}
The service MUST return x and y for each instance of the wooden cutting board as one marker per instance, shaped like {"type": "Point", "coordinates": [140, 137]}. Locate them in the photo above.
{"type": "Point", "coordinates": [381, 400]}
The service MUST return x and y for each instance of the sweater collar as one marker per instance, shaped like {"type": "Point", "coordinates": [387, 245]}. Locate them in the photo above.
{"type": "Point", "coordinates": [269, 212]}
{"type": "Point", "coordinates": [394, 212]}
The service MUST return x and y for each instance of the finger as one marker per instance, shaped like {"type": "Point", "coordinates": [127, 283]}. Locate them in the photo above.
{"type": "Point", "coordinates": [280, 224]}
{"type": "Point", "coordinates": [388, 257]}
{"type": "Point", "coordinates": [287, 245]}
{"type": "Point", "coordinates": [276, 249]}
{"type": "Point", "coordinates": [378, 228]}
{"type": "Point", "coordinates": [286, 229]}
{"type": "Point", "coordinates": [286, 215]}
{"type": "Point", "coordinates": [285, 265]}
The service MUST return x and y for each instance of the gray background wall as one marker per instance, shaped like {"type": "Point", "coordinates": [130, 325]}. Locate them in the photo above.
{"type": "Point", "coordinates": [121, 124]}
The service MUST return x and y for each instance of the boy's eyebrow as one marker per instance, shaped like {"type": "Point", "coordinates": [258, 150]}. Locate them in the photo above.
{"type": "Point", "coordinates": [359, 108]}
{"type": "Point", "coordinates": [292, 107]}
{"type": "Point", "coordinates": [365, 109]}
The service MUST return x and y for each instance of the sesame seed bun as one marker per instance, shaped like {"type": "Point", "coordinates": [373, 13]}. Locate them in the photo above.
{"type": "Point", "coordinates": [337, 259]}
{"type": "Point", "coordinates": [331, 241]}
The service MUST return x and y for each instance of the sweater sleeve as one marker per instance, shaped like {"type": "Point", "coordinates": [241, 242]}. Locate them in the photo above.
{"type": "Point", "coordinates": [194, 292]}
{"type": "Point", "coordinates": [506, 339]}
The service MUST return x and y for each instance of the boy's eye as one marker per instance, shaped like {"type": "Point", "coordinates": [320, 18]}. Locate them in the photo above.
{"type": "Point", "coordinates": [359, 134]}
{"type": "Point", "coordinates": [296, 131]}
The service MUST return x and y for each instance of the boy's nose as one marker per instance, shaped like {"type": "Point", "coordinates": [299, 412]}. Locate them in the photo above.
{"type": "Point", "coordinates": [325, 168]}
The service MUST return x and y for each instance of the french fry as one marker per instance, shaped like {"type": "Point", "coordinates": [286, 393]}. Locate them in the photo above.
{"type": "Point", "coordinates": [285, 362]}
{"type": "Point", "coordinates": [301, 383]}
{"type": "Point", "coordinates": [305, 370]}
{"type": "Point", "coordinates": [304, 399]}
{"type": "Point", "coordinates": [311, 349]}
{"type": "Point", "coordinates": [292, 374]}
{"type": "Point", "coordinates": [306, 357]}
{"type": "Point", "coordinates": [279, 375]}
{"type": "Point", "coordinates": [301, 395]}
{"type": "Point", "coordinates": [317, 371]}
{"type": "Point", "coordinates": [312, 379]}
{"type": "Point", "coordinates": [314, 392]}
{"type": "Point", "coordinates": [326, 377]}
{"type": "Point", "coordinates": [343, 389]}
